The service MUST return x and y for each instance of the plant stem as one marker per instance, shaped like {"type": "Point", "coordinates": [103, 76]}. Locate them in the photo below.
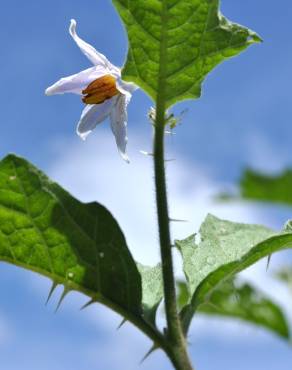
{"type": "Point", "coordinates": [164, 232]}
{"type": "Point", "coordinates": [177, 349]}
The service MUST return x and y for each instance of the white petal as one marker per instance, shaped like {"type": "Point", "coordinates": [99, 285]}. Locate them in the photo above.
{"type": "Point", "coordinates": [126, 88]}
{"type": "Point", "coordinates": [92, 115]}
{"type": "Point", "coordinates": [118, 118]}
{"type": "Point", "coordinates": [76, 83]}
{"type": "Point", "coordinates": [89, 51]}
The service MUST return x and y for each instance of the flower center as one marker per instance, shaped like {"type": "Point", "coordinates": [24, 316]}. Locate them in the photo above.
{"type": "Point", "coordinates": [100, 90]}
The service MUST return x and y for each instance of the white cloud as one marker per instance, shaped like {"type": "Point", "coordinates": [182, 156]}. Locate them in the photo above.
{"type": "Point", "coordinates": [264, 154]}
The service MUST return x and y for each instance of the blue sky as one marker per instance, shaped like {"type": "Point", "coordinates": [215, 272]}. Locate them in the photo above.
{"type": "Point", "coordinates": [243, 118]}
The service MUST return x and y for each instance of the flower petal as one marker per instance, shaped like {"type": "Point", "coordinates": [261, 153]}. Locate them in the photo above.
{"type": "Point", "coordinates": [118, 118]}
{"type": "Point", "coordinates": [126, 88]}
{"type": "Point", "coordinates": [89, 51]}
{"type": "Point", "coordinates": [76, 83]}
{"type": "Point", "coordinates": [92, 115]}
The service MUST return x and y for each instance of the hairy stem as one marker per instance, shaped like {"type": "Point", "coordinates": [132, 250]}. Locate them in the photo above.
{"type": "Point", "coordinates": [177, 349]}
{"type": "Point", "coordinates": [164, 233]}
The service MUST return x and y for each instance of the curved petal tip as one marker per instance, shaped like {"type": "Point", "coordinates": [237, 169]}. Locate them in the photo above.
{"type": "Point", "coordinates": [72, 28]}
{"type": "Point", "coordinates": [83, 135]}
{"type": "Point", "coordinates": [49, 91]}
{"type": "Point", "coordinates": [125, 157]}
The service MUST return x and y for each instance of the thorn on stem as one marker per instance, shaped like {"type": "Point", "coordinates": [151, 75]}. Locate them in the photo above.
{"type": "Point", "coordinates": [177, 220]}
{"type": "Point", "coordinates": [146, 153]}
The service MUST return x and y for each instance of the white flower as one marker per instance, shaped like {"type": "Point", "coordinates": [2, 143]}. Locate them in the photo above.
{"type": "Point", "coordinates": [103, 92]}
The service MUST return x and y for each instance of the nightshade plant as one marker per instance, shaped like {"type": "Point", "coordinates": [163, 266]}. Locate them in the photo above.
{"type": "Point", "coordinates": [173, 45]}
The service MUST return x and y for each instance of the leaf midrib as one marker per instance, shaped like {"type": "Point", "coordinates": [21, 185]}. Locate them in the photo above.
{"type": "Point", "coordinates": [161, 88]}
{"type": "Point", "coordinates": [246, 260]}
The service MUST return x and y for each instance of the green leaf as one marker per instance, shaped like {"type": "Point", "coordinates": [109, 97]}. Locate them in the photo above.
{"type": "Point", "coordinates": [242, 301]}
{"type": "Point", "coordinates": [260, 187]}
{"type": "Point", "coordinates": [81, 246]}
{"type": "Point", "coordinates": [152, 290]}
{"type": "Point", "coordinates": [225, 249]}
{"type": "Point", "coordinates": [183, 294]}
{"type": "Point", "coordinates": [177, 43]}
{"type": "Point", "coordinates": [245, 302]}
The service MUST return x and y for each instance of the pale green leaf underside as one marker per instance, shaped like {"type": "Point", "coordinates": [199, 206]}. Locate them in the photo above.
{"type": "Point", "coordinates": [225, 249]}
{"type": "Point", "coordinates": [221, 242]}
{"type": "Point", "coordinates": [196, 39]}
{"type": "Point", "coordinates": [152, 290]}
{"type": "Point", "coordinates": [44, 229]}
{"type": "Point", "coordinates": [244, 302]}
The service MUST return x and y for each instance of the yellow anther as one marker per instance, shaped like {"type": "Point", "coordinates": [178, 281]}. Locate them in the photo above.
{"type": "Point", "coordinates": [100, 90]}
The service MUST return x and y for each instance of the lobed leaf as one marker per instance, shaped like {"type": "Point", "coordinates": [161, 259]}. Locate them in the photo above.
{"type": "Point", "coordinates": [225, 249]}
{"type": "Point", "coordinates": [176, 43]}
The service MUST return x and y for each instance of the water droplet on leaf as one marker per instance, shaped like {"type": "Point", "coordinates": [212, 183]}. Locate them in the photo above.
{"type": "Point", "coordinates": [210, 260]}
